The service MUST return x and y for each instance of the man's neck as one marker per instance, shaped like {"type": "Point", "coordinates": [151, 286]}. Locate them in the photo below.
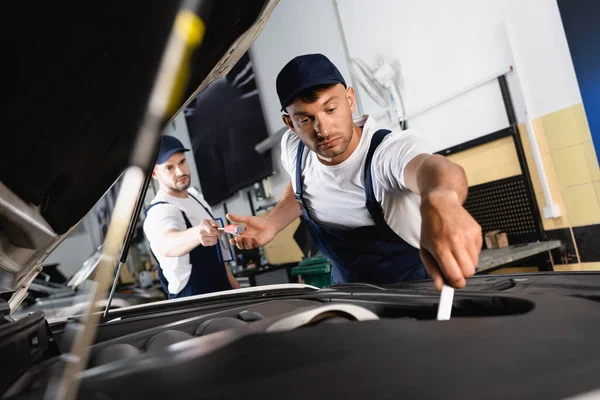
{"type": "Point", "coordinates": [182, 194]}
{"type": "Point", "coordinates": [354, 141]}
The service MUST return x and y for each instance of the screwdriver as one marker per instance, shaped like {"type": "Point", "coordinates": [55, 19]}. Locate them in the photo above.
{"type": "Point", "coordinates": [233, 229]}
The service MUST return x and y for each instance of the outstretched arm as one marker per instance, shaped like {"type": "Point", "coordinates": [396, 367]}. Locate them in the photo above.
{"type": "Point", "coordinates": [176, 243]}
{"type": "Point", "coordinates": [450, 238]}
{"type": "Point", "coordinates": [261, 230]}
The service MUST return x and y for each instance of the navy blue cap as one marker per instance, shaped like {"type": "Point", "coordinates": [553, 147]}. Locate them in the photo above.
{"type": "Point", "coordinates": [169, 145]}
{"type": "Point", "coordinates": [304, 72]}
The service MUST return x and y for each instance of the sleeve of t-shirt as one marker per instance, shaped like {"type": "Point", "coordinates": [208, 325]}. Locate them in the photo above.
{"type": "Point", "coordinates": [160, 219]}
{"type": "Point", "coordinates": [393, 155]}
{"type": "Point", "coordinates": [289, 147]}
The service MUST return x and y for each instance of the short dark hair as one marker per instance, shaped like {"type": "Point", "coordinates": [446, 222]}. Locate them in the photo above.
{"type": "Point", "coordinates": [311, 94]}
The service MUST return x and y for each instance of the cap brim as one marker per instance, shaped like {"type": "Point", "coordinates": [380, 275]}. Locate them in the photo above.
{"type": "Point", "coordinates": [309, 84]}
{"type": "Point", "coordinates": [164, 157]}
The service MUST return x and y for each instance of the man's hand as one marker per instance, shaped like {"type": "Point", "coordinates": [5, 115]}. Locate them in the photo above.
{"type": "Point", "coordinates": [209, 235]}
{"type": "Point", "coordinates": [450, 239]}
{"type": "Point", "coordinates": [259, 231]}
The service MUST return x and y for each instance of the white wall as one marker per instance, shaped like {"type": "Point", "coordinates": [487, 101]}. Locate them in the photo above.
{"type": "Point", "coordinates": [437, 46]}
{"type": "Point", "coordinates": [441, 46]}
{"type": "Point", "coordinates": [76, 248]}
{"type": "Point", "coordinates": [545, 54]}
{"type": "Point", "coordinates": [294, 28]}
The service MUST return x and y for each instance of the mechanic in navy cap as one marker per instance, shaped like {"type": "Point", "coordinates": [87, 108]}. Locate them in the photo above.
{"type": "Point", "coordinates": [378, 204]}
{"type": "Point", "coordinates": [181, 229]}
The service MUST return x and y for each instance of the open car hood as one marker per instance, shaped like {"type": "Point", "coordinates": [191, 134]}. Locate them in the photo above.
{"type": "Point", "coordinates": [82, 76]}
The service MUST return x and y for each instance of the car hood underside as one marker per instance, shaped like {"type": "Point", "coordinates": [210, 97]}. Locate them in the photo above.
{"type": "Point", "coordinates": [81, 75]}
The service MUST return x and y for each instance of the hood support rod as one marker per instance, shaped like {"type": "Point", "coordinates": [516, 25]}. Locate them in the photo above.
{"type": "Point", "coordinates": [128, 239]}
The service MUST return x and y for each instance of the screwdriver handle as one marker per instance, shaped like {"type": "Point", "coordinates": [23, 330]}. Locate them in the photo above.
{"type": "Point", "coordinates": [446, 300]}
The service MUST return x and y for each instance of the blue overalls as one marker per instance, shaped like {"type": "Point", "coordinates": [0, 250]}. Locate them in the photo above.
{"type": "Point", "coordinates": [208, 273]}
{"type": "Point", "coordinates": [369, 254]}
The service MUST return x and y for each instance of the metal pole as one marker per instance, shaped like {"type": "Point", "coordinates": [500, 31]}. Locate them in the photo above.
{"type": "Point", "coordinates": [458, 93]}
{"type": "Point", "coordinates": [551, 210]}
{"type": "Point", "coordinates": [512, 119]}
{"type": "Point", "coordinates": [129, 237]}
{"type": "Point", "coordinates": [136, 216]}
{"type": "Point", "coordinates": [338, 18]}
{"type": "Point", "coordinates": [112, 290]}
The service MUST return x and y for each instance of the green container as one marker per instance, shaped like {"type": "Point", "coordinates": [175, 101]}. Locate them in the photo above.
{"type": "Point", "coordinates": [315, 271]}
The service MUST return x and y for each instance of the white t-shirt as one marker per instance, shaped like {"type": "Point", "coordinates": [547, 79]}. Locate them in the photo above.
{"type": "Point", "coordinates": [335, 195]}
{"type": "Point", "coordinates": [164, 217]}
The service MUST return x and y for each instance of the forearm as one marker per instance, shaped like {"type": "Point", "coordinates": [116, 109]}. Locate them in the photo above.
{"type": "Point", "coordinates": [450, 238]}
{"type": "Point", "coordinates": [286, 210]}
{"type": "Point", "coordinates": [436, 174]}
{"type": "Point", "coordinates": [178, 243]}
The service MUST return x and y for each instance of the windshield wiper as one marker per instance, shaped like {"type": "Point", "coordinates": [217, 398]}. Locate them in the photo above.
{"type": "Point", "coordinates": [356, 284]}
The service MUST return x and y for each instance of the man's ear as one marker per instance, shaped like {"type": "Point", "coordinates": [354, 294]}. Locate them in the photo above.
{"type": "Point", "coordinates": [154, 173]}
{"type": "Point", "coordinates": [351, 96]}
{"type": "Point", "coordinates": [287, 120]}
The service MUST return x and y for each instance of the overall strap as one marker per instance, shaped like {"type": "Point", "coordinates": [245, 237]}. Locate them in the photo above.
{"type": "Point", "coordinates": [188, 224]}
{"type": "Point", "coordinates": [298, 192]}
{"type": "Point", "coordinates": [205, 209]}
{"type": "Point", "coordinates": [372, 204]}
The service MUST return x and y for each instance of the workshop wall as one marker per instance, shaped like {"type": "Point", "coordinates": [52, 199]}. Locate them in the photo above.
{"type": "Point", "coordinates": [573, 175]}
{"type": "Point", "coordinates": [410, 38]}
{"type": "Point", "coordinates": [236, 204]}
{"type": "Point", "coordinates": [574, 178]}
{"type": "Point", "coordinates": [489, 162]}
{"type": "Point", "coordinates": [441, 47]}
{"type": "Point", "coordinates": [288, 33]}
{"type": "Point", "coordinates": [559, 116]}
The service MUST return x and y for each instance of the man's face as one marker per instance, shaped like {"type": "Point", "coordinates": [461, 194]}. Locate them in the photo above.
{"type": "Point", "coordinates": [324, 126]}
{"type": "Point", "coordinates": [173, 174]}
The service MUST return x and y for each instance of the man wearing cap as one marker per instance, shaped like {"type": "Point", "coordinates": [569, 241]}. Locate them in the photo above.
{"type": "Point", "coordinates": [378, 205]}
{"type": "Point", "coordinates": [181, 229]}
